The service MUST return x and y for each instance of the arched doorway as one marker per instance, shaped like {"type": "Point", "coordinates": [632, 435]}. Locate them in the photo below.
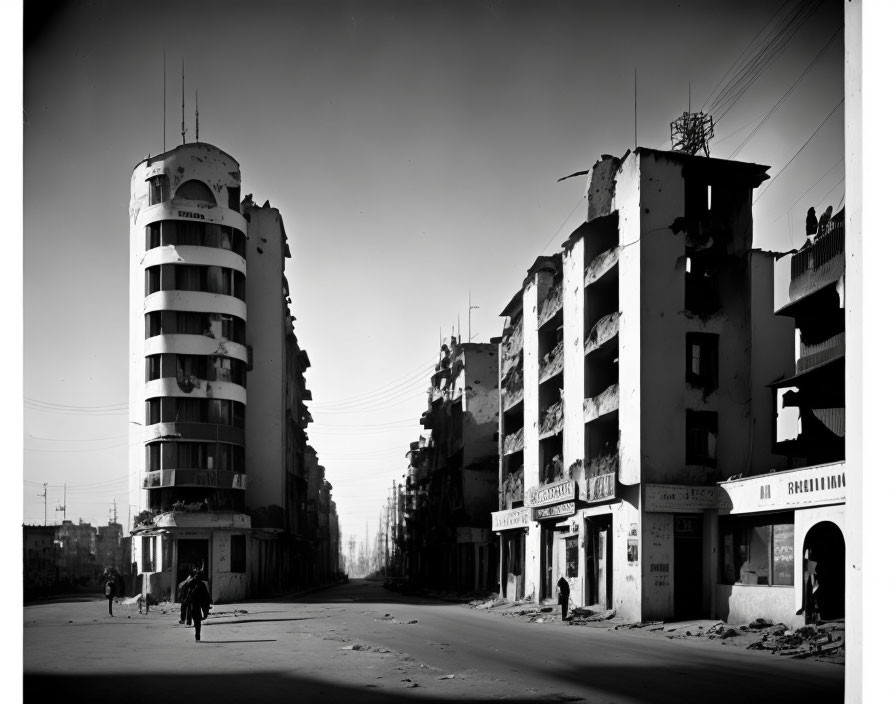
{"type": "Point", "coordinates": [824, 553]}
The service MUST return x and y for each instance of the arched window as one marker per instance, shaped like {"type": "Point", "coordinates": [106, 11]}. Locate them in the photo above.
{"type": "Point", "coordinates": [196, 190]}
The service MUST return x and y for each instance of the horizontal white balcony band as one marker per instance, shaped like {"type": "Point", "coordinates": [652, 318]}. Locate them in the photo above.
{"type": "Point", "coordinates": [196, 301]}
{"type": "Point", "coordinates": [198, 388]}
{"type": "Point", "coordinates": [192, 254]}
{"type": "Point", "coordinates": [179, 209]}
{"type": "Point", "coordinates": [194, 344]}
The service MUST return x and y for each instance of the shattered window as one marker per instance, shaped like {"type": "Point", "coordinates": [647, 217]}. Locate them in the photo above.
{"type": "Point", "coordinates": [756, 550]}
{"type": "Point", "coordinates": [158, 189]}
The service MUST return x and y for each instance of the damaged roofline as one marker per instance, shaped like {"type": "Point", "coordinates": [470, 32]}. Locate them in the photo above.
{"type": "Point", "coordinates": [161, 155]}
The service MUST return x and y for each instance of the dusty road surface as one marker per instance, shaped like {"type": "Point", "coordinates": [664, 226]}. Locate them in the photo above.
{"type": "Point", "coordinates": [361, 643]}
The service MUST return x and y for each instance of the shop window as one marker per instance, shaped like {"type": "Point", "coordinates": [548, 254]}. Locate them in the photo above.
{"type": "Point", "coordinates": [756, 550]}
{"type": "Point", "coordinates": [702, 360]}
{"type": "Point", "coordinates": [149, 554]}
{"type": "Point", "coordinates": [572, 556]}
{"type": "Point", "coordinates": [702, 429]}
{"type": "Point", "coordinates": [237, 553]}
{"type": "Point", "coordinates": [158, 189]}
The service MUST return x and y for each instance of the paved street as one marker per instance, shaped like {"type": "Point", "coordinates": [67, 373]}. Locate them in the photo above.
{"type": "Point", "coordinates": [361, 643]}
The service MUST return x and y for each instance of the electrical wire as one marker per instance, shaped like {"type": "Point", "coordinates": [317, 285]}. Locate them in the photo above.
{"type": "Point", "coordinates": [812, 136]}
{"type": "Point", "coordinates": [788, 92]}
{"type": "Point", "coordinates": [553, 237]}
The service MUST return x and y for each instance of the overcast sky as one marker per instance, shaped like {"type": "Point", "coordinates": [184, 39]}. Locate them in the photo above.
{"type": "Point", "coordinates": [413, 149]}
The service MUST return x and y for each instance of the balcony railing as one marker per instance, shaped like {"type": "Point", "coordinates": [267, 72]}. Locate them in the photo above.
{"type": "Point", "coordinates": [815, 355]}
{"type": "Point", "coordinates": [552, 364]}
{"type": "Point", "coordinates": [216, 479]}
{"type": "Point", "coordinates": [820, 264]}
{"type": "Point", "coordinates": [514, 442]}
{"type": "Point", "coordinates": [603, 331]}
{"type": "Point", "coordinates": [601, 264]}
{"type": "Point", "coordinates": [605, 402]}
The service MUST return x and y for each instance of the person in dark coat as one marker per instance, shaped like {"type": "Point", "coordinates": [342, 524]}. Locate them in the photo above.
{"type": "Point", "coordinates": [563, 596]}
{"type": "Point", "coordinates": [198, 601]}
{"type": "Point", "coordinates": [110, 585]}
{"type": "Point", "coordinates": [811, 223]}
{"type": "Point", "coordinates": [181, 594]}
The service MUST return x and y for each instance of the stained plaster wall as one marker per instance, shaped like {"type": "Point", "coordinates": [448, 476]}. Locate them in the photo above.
{"type": "Point", "coordinates": [657, 565]}
{"type": "Point", "coordinates": [226, 586]}
{"type": "Point", "coordinates": [219, 171]}
{"type": "Point", "coordinates": [479, 381]}
{"type": "Point", "coordinates": [266, 334]}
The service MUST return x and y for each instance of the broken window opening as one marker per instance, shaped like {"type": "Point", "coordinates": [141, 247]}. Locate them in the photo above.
{"type": "Point", "coordinates": [158, 189]}
{"type": "Point", "coordinates": [702, 360]}
{"type": "Point", "coordinates": [702, 429]}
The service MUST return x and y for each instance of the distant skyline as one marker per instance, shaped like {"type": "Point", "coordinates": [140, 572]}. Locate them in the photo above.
{"type": "Point", "coordinates": [413, 150]}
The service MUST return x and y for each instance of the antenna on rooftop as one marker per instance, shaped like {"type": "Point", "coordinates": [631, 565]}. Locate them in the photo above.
{"type": "Point", "coordinates": [114, 511]}
{"type": "Point", "coordinates": [183, 126]}
{"type": "Point", "coordinates": [197, 115]}
{"type": "Point", "coordinates": [691, 132]}
{"type": "Point", "coordinates": [164, 97]}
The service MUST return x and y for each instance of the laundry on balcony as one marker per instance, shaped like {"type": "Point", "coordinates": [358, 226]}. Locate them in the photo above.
{"type": "Point", "coordinates": [604, 330]}
{"type": "Point", "coordinates": [601, 264]}
{"type": "Point", "coordinates": [605, 402]}
{"type": "Point", "coordinates": [552, 421]}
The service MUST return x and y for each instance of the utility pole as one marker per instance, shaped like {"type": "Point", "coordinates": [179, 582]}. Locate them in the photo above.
{"type": "Point", "coordinates": [64, 497]}
{"type": "Point", "coordinates": [45, 502]}
{"type": "Point", "coordinates": [470, 307]}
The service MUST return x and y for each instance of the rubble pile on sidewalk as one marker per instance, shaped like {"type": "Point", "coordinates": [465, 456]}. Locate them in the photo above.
{"type": "Point", "coordinates": [582, 616]}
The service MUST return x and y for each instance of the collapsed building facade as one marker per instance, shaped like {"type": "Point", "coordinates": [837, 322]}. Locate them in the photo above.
{"type": "Point", "coordinates": [451, 483]}
{"type": "Point", "coordinates": [634, 368]}
{"type": "Point", "coordinates": [218, 446]}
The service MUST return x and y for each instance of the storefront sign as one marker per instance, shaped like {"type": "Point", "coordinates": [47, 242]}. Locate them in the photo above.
{"type": "Point", "coordinates": [674, 498]}
{"type": "Point", "coordinates": [551, 493]}
{"type": "Point", "coordinates": [567, 509]}
{"type": "Point", "coordinates": [511, 518]}
{"type": "Point", "coordinates": [600, 488]}
{"type": "Point", "coordinates": [795, 488]}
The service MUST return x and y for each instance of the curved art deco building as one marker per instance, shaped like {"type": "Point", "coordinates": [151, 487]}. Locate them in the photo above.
{"type": "Point", "coordinates": [188, 365]}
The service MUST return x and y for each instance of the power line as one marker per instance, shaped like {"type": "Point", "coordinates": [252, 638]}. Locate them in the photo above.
{"type": "Point", "coordinates": [810, 188]}
{"type": "Point", "coordinates": [578, 203]}
{"type": "Point", "coordinates": [788, 92]}
{"type": "Point", "coordinates": [768, 185]}
{"type": "Point", "coordinates": [66, 405]}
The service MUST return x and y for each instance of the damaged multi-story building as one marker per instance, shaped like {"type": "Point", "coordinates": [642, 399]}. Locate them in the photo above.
{"type": "Point", "coordinates": [786, 529]}
{"type": "Point", "coordinates": [634, 369]}
{"type": "Point", "coordinates": [451, 484]}
{"type": "Point", "coordinates": [217, 390]}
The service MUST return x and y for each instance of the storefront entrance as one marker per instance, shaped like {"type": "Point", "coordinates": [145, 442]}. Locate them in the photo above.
{"type": "Point", "coordinates": [824, 569]}
{"type": "Point", "coordinates": [598, 562]}
{"type": "Point", "coordinates": [688, 570]}
{"type": "Point", "coordinates": [191, 554]}
{"type": "Point", "coordinates": [513, 583]}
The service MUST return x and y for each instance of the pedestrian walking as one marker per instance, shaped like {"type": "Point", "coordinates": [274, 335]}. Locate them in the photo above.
{"type": "Point", "coordinates": [110, 585]}
{"type": "Point", "coordinates": [563, 596]}
{"type": "Point", "coordinates": [198, 602]}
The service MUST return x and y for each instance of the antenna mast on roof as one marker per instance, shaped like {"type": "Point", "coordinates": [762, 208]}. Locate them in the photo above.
{"type": "Point", "coordinates": [197, 115]}
{"type": "Point", "coordinates": [164, 84]}
{"type": "Point", "coordinates": [183, 126]}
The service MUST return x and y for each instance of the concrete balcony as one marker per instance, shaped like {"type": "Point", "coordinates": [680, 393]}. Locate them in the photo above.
{"type": "Point", "coordinates": [604, 403]}
{"type": "Point", "coordinates": [552, 421]}
{"type": "Point", "coordinates": [211, 478]}
{"type": "Point", "coordinates": [514, 442]}
{"type": "Point", "coordinates": [815, 355]}
{"type": "Point", "coordinates": [820, 264]}
{"type": "Point", "coordinates": [552, 304]}
{"type": "Point", "coordinates": [604, 330]}
{"type": "Point", "coordinates": [552, 364]}
{"type": "Point", "coordinates": [601, 264]}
